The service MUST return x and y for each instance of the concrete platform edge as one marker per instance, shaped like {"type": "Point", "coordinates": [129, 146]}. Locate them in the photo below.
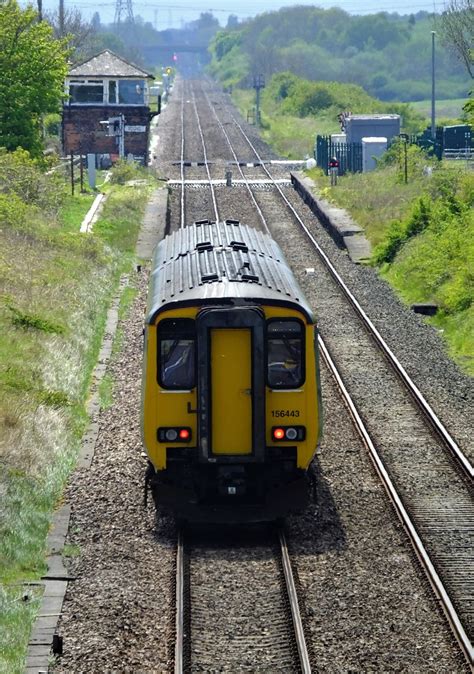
{"type": "Point", "coordinates": [345, 232]}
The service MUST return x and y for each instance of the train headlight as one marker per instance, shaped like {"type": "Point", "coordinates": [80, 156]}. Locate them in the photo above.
{"type": "Point", "coordinates": [174, 434]}
{"type": "Point", "coordinates": [288, 433]}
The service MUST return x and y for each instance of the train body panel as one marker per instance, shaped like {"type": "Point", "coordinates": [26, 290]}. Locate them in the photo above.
{"type": "Point", "coordinates": [231, 387]}
{"type": "Point", "coordinates": [231, 407]}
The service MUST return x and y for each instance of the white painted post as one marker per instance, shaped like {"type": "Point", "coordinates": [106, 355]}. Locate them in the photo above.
{"type": "Point", "coordinates": [91, 174]}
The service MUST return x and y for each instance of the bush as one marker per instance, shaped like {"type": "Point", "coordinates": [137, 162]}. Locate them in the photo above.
{"type": "Point", "coordinates": [52, 124]}
{"type": "Point", "coordinates": [123, 171]}
{"type": "Point", "coordinates": [400, 232]}
{"type": "Point", "coordinates": [13, 211]}
{"type": "Point", "coordinates": [23, 177]}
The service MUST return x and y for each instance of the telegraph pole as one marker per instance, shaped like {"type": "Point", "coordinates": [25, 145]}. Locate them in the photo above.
{"type": "Point", "coordinates": [40, 10]}
{"type": "Point", "coordinates": [61, 18]}
{"type": "Point", "coordinates": [258, 83]}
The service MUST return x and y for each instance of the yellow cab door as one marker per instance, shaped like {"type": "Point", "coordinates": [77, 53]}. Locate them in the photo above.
{"type": "Point", "coordinates": [231, 391]}
{"type": "Point", "coordinates": [231, 385]}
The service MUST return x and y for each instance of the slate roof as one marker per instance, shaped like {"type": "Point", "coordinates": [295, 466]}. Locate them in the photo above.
{"type": "Point", "coordinates": [107, 64]}
{"type": "Point", "coordinates": [210, 262]}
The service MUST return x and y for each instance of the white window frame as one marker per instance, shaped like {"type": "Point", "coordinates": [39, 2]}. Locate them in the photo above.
{"type": "Point", "coordinates": [105, 82]}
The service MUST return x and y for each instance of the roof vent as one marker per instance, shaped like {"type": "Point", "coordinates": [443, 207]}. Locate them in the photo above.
{"type": "Point", "coordinates": [204, 245]}
{"type": "Point", "coordinates": [206, 278]}
{"type": "Point", "coordinates": [232, 222]}
{"type": "Point", "coordinates": [250, 277]}
{"type": "Point", "coordinates": [239, 245]}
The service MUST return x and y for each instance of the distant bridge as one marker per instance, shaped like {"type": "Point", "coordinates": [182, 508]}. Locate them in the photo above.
{"type": "Point", "coordinates": [175, 49]}
{"type": "Point", "coordinates": [163, 54]}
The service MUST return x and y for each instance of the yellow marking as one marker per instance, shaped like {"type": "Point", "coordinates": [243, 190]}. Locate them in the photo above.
{"type": "Point", "coordinates": [286, 399]}
{"type": "Point", "coordinates": [161, 407]}
{"type": "Point", "coordinates": [231, 360]}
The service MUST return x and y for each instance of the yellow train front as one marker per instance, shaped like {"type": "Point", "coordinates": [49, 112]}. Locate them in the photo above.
{"type": "Point", "coordinates": [231, 401]}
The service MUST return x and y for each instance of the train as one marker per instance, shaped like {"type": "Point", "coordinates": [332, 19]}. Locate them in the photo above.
{"type": "Point", "coordinates": [231, 397]}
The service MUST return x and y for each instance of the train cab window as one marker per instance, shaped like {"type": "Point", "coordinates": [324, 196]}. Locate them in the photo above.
{"type": "Point", "coordinates": [285, 349]}
{"type": "Point", "coordinates": [176, 354]}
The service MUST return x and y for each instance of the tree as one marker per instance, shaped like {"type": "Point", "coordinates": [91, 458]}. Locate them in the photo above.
{"type": "Point", "coordinates": [469, 109]}
{"type": "Point", "coordinates": [232, 21]}
{"type": "Point", "coordinates": [95, 21]}
{"type": "Point", "coordinates": [71, 26]}
{"type": "Point", "coordinates": [457, 25]}
{"type": "Point", "coordinates": [33, 65]}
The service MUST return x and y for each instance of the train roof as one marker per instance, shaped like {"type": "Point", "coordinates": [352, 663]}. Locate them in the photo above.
{"type": "Point", "coordinates": [214, 262]}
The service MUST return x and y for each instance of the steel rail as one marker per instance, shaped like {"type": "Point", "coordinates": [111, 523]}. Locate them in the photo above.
{"type": "Point", "coordinates": [436, 423]}
{"type": "Point", "coordinates": [252, 196]}
{"type": "Point", "coordinates": [294, 605]}
{"type": "Point", "coordinates": [182, 222]}
{"type": "Point", "coordinates": [179, 623]}
{"type": "Point", "coordinates": [402, 513]}
{"type": "Point", "coordinates": [213, 192]}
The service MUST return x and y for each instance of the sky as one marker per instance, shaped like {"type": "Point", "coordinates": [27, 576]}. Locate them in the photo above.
{"type": "Point", "coordinates": [169, 15]}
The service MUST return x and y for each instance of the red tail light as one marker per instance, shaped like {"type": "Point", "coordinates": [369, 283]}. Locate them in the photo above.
{"type": "Point", "coordinates": [174, 434]}
{"type": "Point", "coordinates": [288, 433]}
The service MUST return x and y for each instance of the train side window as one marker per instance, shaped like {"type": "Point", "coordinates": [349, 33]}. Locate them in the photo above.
{"type": "Point", "coordinates": [285, 349]}
{"type": "Point", "coordinates": [176, 354]}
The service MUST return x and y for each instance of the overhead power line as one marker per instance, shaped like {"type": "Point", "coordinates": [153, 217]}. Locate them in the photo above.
{"type": "Point", "coordinates": [265, 6]}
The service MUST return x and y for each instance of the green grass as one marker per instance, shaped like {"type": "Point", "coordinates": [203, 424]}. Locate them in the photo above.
{"type": "Point", "coordinates": [74, 210]}
{"type": "Point", "coordinates": [444, 109]}
{"type": "Point", "coordinates": [372, 201]}
{"type": "Point", "coordinates": [106, 390]}
{"type": "Point", "coordinates": [18, 608]}
{"type": "Point", "coordinates": [294, 137]}
{"type": "Point", "coordinates": [56, 286]}
{"type": "Point", "coordinates": [118, 225]}
{"type": "Point", "coordinates": [244, 100]}
{"type": "Point", "coordinates": [70, 550]}
{"type": "Point", "coordinates": [127, 298]}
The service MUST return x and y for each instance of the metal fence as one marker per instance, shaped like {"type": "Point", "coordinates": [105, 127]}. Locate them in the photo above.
{"type": "Point", "coordinates": [349, 155]}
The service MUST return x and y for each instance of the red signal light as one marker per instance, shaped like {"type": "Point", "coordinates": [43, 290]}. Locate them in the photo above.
{"type": "Point", "coordinates": [278, 433]}
{"type": "Point", "coordinates": [184, 434]}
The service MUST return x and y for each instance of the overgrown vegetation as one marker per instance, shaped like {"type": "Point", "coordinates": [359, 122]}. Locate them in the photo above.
{"type": "Point", "coordinates": [423, 236]}
{"type": "Point", "coordinates": [55, 287]}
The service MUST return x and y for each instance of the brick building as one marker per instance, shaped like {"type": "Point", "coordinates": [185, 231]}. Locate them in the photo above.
{"type": "Point", "coordinates": [107, 88]}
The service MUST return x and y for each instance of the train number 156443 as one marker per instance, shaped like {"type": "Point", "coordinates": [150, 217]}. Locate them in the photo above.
{"type": "Point", "coordinates": [285, 413]}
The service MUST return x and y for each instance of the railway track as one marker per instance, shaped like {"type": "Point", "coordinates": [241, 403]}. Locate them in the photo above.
{"type": "Point", "coordinates": [221, 624]}
{"type": "Point", "coordinates": [425, 472]}
{"type": "Point", "coordinates": [366, 606]}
